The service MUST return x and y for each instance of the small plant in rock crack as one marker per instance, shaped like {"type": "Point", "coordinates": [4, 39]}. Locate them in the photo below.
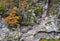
{"type": "Point", "coordinates": [43, 39]}
{"type": "Point", "coordinates": [50, 39]}
{"type": "Point", "coordinates": [58, 16]}
{"type": "Point", "coordinates": [48, 23]}
{"type": "Point", "coordinates": [12, 19]}
{"type": "Point", "coordinates": [16, 3]}
{"type": "Point", "coordinates": [28, 1]}
{"type": "Point", "coordinates": [53, 10]}
{"type": "Point", "coordinates": [42, 0]}
{"type": "Point", "coordinates": [29, 20]}
{"type": "Point", "coordinates": [38, 9]}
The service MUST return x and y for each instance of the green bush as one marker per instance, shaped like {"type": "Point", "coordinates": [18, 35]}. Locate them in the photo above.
{"type": "Point", "coordinates": [38, 10]}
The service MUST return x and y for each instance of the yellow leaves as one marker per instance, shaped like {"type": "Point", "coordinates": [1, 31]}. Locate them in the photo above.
{"type": "Point", "coordinates": [14, 12]}
{"type": "Point", "coordinates": [23, 4]}
{"type": "Point", "coordinates": [17, 17]}
{"type": "Point", "coordinates": [11, 14]}
{"type": "Point", "coordinates": [12, 18]}
{"type": "Point", "coordinates": [15, 8]}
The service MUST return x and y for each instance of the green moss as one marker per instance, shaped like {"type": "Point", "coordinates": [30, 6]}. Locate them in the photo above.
{"type": "Point", "coordinates": [12, 26]}
{"type": "Point", "coordinates": [38, 10]}
{"type": "Point", "coordinates": [2, 6]}
{"type": "Point", "coordinates": [16, 4]}
{"type": "Point", "coordinates": [29, 20]}
{"type": "Point", "coordinates": [51, 39]}
{"type": "Point", "coordinates": [59, 16]}
{"type": "Point", "coordinates": [43, 39]}
{"type": "Point", "coordinates": [28, 1]}
{"type": "Point", "coordinates": [58, 40]}
{"type": "Point", "coordinates": [48, 23]}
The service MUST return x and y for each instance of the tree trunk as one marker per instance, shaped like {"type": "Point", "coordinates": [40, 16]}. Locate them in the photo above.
{"type": "Point", "coordinates": [50, 5]}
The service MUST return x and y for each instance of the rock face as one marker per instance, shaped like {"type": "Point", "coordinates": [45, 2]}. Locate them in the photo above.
{"type": "Point", "coordinates": [29, 38]}
{"type": "Point", "coordinates": [46, 24]}
{"type": "Point", "coordinates": [44, 27]}
{"type": "Point", "coordinates": [59, 8]}
{"type": "Point", "coordinates": [47, 28]}
{"type": "Point", "coordinates": [6, 34]}
{"type": "Point", "coordinates": [3, 29]}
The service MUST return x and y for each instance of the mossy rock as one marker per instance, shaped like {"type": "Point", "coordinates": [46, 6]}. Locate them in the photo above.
{"type": "Point", "coordinates": [43, 39]}
{"type": "Point", "coordinates": [58, 40]}
{"type": "Point", "coordinates": [38, 10]}
{"type": "Point", "coordinates": [2, 6]}
{"type": "Point", "coordinates": [51, 39]}
{"type": "Point", "coordinates": [12, 27]}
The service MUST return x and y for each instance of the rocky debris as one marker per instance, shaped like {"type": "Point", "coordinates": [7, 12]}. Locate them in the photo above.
{"type": "Point", "coordinates": [46, 24]}
{"type": "Point", "coordinates": [57, 36]}
{"type": "Point", "coordinates": [25, 29]}
{"type": "Point", "coordinates": [29, 38]}
{"type": "Point", "coordinates": [13, 35]}
{"type": "Point", "coordinates": [41, 27]}
{"type": "Point", "coordinates": [43, 35]}
{"type": "Point", "coordinates": [30, 33]}
{"type": "Point", "coordinates": [6, 34]}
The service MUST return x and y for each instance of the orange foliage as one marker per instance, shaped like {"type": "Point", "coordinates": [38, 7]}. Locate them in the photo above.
{"type": "Point", "coordinates": [23, 4]}
{"type": "Point", "coordinates": [12, 18]}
